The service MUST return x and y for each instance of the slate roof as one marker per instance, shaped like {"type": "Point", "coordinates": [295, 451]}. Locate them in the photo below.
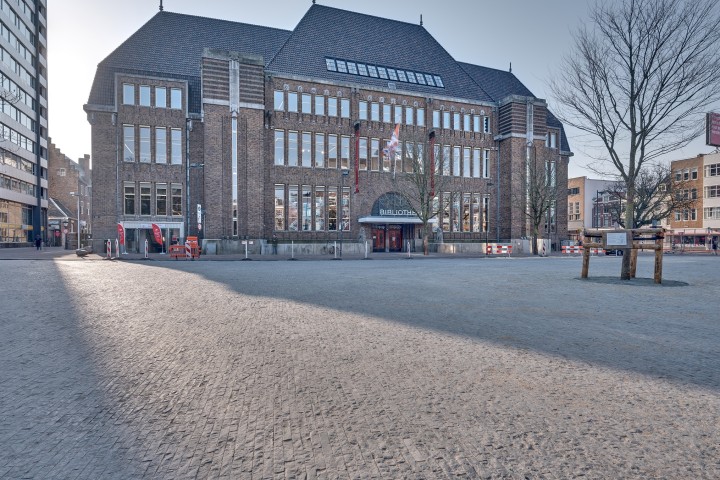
{"type": "Point", "coordinates": [331, 32]}
{"type": "Point", "coordinates": [497, 83]}
{"type": "Point", "coordinates": [500, 84]}
{"type": "Point", "coordinates": [57, 210]}
{"type": "Point", "coordinates": [171, 45]}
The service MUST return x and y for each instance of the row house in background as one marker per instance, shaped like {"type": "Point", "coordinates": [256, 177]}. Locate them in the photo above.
{"type": "Point", "coordinates": [590, 205]}
{"type": "Point", "coordinates": [238, 133]}
{"type": "Point", "coordinates": [70, 184]}
{"type": "Point", "coordinates": [694, 228]}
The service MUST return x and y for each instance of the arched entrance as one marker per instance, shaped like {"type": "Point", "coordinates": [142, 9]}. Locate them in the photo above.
{"type": "Point", "coordinates": [392, 224]}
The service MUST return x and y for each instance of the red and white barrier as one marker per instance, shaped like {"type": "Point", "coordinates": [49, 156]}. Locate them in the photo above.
{"type": "Point", "coordinates": [572, 250]}
{"type": "Point", "coordinates": [499, 250]}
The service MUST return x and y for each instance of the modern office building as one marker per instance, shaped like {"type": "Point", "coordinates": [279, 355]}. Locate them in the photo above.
{"type": "Point", "coordinates": [237, 132]}
{"type": "Point", "coordinates": [23, 121]}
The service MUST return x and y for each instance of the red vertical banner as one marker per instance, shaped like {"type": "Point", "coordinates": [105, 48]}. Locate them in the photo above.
{"type": "Point", "coordinates": [432, 163]}
{"type": "Point", "coordinates": [357, 157]}
{"type": "Point", "coordinates": [121, 234]}
{"type": "Point", "coordinates": [157, 233]}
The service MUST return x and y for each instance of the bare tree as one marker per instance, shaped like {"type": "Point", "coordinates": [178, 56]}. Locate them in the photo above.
{"type": "Point", "coordinates": [640, 79]}
{"type": "Point", "coordinates": [419, 177]}
{"type": "Point", "coordinates": [538, 201]}
{"type": "Point", "coordinates": [657, 196]}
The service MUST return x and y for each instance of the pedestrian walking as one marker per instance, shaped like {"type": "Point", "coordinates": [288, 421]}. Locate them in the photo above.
{"type": "Point", "coordinates": [38, 242]}
{"type": "Point", "coordinates": [274, 242]}
{"type": "Point", "coordinates": [714, 245]}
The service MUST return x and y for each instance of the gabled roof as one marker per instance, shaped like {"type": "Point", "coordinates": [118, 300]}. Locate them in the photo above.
{"type": "Point", "coordinates": [171, 45]}
{"type": "Point", "coordinates": [497, 83]}
{"type": "Point", "coordinates": [500, 84]}
{"type": "Point", "coordinates": [57, 210]}
{"type": "Point", "coordinates": [330, 32]}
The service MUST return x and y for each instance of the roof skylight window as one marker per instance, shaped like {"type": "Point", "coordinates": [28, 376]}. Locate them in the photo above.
{"type": "Point", "coordinates": [383, 72]}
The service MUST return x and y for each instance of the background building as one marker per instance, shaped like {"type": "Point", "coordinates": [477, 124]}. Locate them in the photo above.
{"type": "Point", "coordinates": [70, 198]}
{"type": "Point", "coordinates": [23, 121]}
{"type": "Point", "coordinates": [589, 205]}
{"type": "Point", "coordinates": [238, 132]}
{"type": "Point", "coordinates": [694, 227]}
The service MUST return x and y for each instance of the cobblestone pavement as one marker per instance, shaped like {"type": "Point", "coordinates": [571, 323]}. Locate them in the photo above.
{"type": "Point", "coordinates": [476, 368]}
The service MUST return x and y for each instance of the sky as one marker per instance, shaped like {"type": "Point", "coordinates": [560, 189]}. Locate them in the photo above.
{"type": "Point", "coordinates": [533, 36]}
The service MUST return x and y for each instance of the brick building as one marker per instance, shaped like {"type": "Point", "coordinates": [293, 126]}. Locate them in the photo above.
{"type": "Point", "coordinates": [239, 132]}
{"type": "Point", "coordinates": [694, 228]}
{"type": "Point", "coordinates": [23, 121]}
{"type": "Point", "coordinates": [70, 186]}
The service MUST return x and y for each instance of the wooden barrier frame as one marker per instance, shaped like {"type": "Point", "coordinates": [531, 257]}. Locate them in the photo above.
{"type": "Point", "coordinates": [635, 237]}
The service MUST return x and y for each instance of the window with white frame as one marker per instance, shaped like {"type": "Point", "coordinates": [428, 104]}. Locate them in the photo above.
{"type": "Point", "coordinates": [160, 145]}
{"type": "Point", "coordinates": [375, 112]}
{"type": "Point", "coordinates": [363, 110]}
{"type": "Point", "coordinates": [436, 119]}
{"type": "Point", "coordinates": [345, 108]}
{"type": "Point", "coordinates": [279, 147]}
{"type": "Point", "coordinates": [160, 97]}
{"type": "Point", "coordinates": [145, 95]}
{"type": "Point", "coordinates": [319, 105]}
{"type": "Point", "coordinates": [279, 100]}
{"type": "Point", "coordinates": [128, 94]}
{"type": "Point", "coordinates": [176, 98]}
{"type": "Point", "coordinates": [292, 102]}
{"type": "Point", "coordinates": [129, 198]}
{"type": "Point", "coordinates": [306, 103]}
{"type": "Point", "coordinates": [129, 143]}
{"type": "Point", "coordinates": [293, 149]}
{"type": "Point", "coordinates": [486, 163]}
{"type": "Point", "coordinates": [144, 144]}
{"type": "Point", "coordinates": [176, 146]}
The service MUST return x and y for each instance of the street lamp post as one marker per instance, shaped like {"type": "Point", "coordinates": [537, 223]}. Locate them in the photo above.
{"type": "Point", "coordinates": [77, 194]}
{"type": "Point", "coordinates": [345, 173]}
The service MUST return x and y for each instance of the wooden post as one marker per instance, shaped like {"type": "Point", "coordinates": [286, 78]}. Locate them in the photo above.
{"type": "Point", "coordinates": [585, 262]}
{"type": "Point", "coordinates": [633, 261]}
{"type": "Point", "coordinates": [658, 259]}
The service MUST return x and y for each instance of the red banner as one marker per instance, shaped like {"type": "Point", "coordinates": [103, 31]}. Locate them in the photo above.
{"type": "Point", "coordinates": [712, 125]}
{"type": "Point", "coordinates": [121, 234]}
{"type": "Point", "coordinates": [157, 233]}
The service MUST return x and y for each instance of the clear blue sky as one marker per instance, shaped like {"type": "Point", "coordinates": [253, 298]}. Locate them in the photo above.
{"type": "Point", "coordinates": [532, 35]}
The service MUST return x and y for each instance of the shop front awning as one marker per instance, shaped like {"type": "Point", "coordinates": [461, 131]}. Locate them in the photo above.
{"type": "Point", "coordinates": [395, 220]}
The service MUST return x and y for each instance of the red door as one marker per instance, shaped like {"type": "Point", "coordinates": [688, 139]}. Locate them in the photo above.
{"type": "Point", "coordinates": [378, 235]}
{"type": "Point", "coordinates": [395, 239]}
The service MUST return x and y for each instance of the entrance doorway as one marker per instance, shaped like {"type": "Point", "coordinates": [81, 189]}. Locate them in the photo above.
{"type": "Point", "coordinates": [378, 237]}
{"type": "Point", "coordinates": [395, 238]}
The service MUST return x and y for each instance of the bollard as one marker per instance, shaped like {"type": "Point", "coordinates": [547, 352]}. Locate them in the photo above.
{"type": "Point", "coordinates": [408, 248]}
{"type": "Point", "coordinates": [117, 248]}
{"type": "Point", "coordinates": [366, 249]}
{"type": "Point", "coordinates": [246, 249]}
{"type": "Point", "coordinates": [146, 248]}
{"type": "Point", "coordinates": [108, 247]}
{"type": "Point", "coordinates": [335, 250]}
